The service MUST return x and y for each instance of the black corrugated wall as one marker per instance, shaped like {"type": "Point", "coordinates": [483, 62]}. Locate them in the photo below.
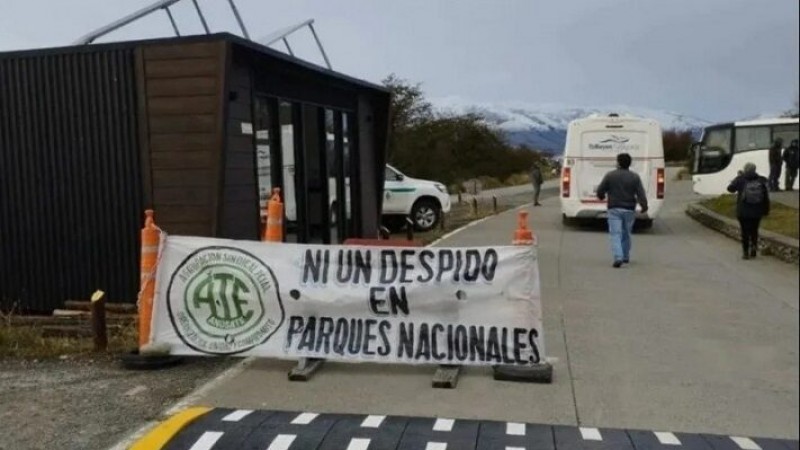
{"type": "Point", "coordinates": [70, 184]}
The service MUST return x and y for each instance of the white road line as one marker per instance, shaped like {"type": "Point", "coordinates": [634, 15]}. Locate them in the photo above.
{"type": "Point", "coordinates": [443, 425]}
{"type": "Point", "coordinates": [134, 391]}
{"type": "Point", "coordinates": [304, 418]}
{"type": "Point", "coordinates": [282, 442]}
{"type": "Point", "coordinates": [237, 415]}
{"type": "Point", "coordinates": [372, 421]}
{"type": "Point", "coordinates": [515, 429]}
{"type": "Point", "coordinates": [436, 446]}
{"type": "Point", "coordinates": [745, 443]}
{"type": "Point", "coordinates": [515, 448]}
{"type": "Point", "coordinates": [359, 444]}
{"type": "Point", "coordinates": [667, 438]}
{"type": "Point", "coordinates": [207, 440]}
{"type": "Point", "coordinates": [591, 434]}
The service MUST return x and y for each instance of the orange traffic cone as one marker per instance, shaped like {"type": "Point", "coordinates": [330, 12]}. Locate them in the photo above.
{"type": "Point", "coordinates": [151, 237]}
{"type": "Point", "coordinates": [523, 235]}
{"type": "Point", "coordinates": [273, 232]}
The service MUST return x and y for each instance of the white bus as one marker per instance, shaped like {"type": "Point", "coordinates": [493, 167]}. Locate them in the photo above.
{"type": "Point", "coordinates": [592, 146]}
{"type": "Point", "coordinates": [725, 148]}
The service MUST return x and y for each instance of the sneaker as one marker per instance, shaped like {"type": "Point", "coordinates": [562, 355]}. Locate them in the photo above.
{"type": "Point", "coordinates": [626, 261]}
{"type": "Point", "coordinates": [753, 253]}
{"type": "Point", "coordinates": [617, 264]}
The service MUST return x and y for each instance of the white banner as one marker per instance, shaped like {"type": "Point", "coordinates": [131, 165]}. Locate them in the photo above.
{"type": "Point", "coordinates": [466, 306]}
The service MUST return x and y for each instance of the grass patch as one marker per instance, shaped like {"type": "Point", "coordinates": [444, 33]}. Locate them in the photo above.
{"type": "Point", "coordinates": [782, 219]}
{"type": "Point", "coordinates": [460, 214]}
{"type": "Point", "coordinates": [26, 341]}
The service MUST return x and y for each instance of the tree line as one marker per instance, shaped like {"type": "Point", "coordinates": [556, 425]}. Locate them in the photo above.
{"type": "Point", "coordinates": [449, 148]}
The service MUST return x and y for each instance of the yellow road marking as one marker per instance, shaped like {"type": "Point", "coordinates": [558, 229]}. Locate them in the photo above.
{"type": "Point", "coordinates": [158, 437]}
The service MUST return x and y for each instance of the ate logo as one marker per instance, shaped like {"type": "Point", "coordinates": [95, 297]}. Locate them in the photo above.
{"type": "Point", "coordinates": [224, 300]}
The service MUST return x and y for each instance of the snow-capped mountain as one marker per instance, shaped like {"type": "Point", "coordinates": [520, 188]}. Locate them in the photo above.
{"type": "Point", "coordinates": [544, 126]}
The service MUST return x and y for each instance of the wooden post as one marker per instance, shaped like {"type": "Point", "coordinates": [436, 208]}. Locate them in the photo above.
{"type": "Point", "coordinates": [494, 204]}
{"type": "Point", "coordinates": [475, 206]}
{"type": "Point", "coordinates": [409, 229]}
{"type": "Point", "coordinates": [99, 321]}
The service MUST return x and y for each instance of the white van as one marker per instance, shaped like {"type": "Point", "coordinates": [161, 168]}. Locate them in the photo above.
{"type": "Point", "coordinates": [592, 146]}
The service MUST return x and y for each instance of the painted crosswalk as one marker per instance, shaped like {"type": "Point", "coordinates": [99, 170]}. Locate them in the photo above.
{"type": "Point", "coordinates": [222, 429]}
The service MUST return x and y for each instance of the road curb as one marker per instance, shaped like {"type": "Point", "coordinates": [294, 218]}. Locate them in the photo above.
{"type": "Point", "coordinates": [784, 248]}
{"type": "Point", "coordinates": [159, 436]}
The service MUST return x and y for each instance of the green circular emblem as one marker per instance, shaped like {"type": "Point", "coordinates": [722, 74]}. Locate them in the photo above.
{"type": "Point", "coordinates": [223, 300]}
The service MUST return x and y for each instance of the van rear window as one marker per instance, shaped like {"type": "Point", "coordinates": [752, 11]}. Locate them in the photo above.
{"type": "Point", "coordinates": [611, 143]}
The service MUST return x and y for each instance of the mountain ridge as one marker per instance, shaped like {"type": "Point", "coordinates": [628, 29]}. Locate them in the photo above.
{"type": "Point", "coordinates": [544, 126]}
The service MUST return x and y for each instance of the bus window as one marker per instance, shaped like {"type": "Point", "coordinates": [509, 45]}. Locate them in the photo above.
{"type": "Point", "coordinates": [786, 132]}
{"type": "Point", "coordinates": [714, 153]}
{"type": "Point", "coordinates": [752, 138]}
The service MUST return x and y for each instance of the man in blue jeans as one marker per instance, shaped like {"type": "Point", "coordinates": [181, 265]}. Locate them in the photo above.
{"type": "Point", "coordinates": [624, 190]}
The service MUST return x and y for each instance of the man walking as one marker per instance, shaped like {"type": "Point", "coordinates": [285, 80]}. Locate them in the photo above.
{"type": "Point", "coordinates": [791, 156]}
{"type": "Point", "coordinates": [752, 203]}
{"type": "Point", "coordinates": [536, 180]}
{"type": "Point", "coordinates": [624, 190]}
{"type": "Point", "coordinates": [775, 163]}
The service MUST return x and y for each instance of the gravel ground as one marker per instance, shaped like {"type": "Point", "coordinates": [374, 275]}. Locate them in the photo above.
{"type": "Point", "coordinates": [88, 403]}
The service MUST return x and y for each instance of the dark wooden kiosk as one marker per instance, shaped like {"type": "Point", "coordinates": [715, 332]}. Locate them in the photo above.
{"type": "Point", "coordinates": [198, 128]}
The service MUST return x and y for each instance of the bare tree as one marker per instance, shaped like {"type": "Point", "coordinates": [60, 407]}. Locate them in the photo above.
{"type": "Point", "coordinates": [794, 112]}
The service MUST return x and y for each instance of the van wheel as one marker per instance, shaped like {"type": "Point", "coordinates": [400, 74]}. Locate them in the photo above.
{"type": "Point", "coordinates": [644, 224]}
{"type": "Point", "coordinates": [568, 221]}
{"type": "Point", "coordinates": [425, 214]}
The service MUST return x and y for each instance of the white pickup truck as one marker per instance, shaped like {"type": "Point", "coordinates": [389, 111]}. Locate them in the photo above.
{"type": "Point", "coordinates": [423, 201]}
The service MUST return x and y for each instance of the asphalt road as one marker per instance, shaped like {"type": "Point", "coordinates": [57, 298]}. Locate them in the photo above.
{"type": "Point", "coordinates": [687, 338]}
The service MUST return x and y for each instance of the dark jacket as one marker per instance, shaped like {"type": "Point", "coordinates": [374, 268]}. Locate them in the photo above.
{"type": "Point", "coordinates": [536, 175]}
{"type": "Point", "coordinates": [791, 156]}
{"type": "Point", "coordinates": [624, 189]}
{"type": "Point", "coordinates": [746, 210]}
{"type": "Point", "coordinates": [775, 155]}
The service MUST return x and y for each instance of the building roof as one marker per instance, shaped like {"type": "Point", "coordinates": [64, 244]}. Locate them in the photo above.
{"type": "Point", "coordinates": [235, 40]}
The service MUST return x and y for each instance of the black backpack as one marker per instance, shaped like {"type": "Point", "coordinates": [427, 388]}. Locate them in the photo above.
{"type": "Point", "coordinates": [754, 192]}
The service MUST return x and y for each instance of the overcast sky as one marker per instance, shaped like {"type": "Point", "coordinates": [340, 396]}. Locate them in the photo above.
{"type": "Point", "coordinates": [713, 59]}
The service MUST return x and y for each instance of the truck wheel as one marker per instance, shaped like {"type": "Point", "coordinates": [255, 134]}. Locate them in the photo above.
{"type": "Point", "coordinates": [425, 214]}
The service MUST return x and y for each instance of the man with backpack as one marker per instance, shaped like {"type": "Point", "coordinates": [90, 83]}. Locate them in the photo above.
{"type": "Point", "coordinates": [791, 156]}
{"type": "Point", "coordinates": [752, 203]}
{"type": "Point", "coordinates": [775, 163]}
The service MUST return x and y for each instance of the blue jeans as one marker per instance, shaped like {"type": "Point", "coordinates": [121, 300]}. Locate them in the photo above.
{"type": "Point", "coordinates": [620, 226]}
